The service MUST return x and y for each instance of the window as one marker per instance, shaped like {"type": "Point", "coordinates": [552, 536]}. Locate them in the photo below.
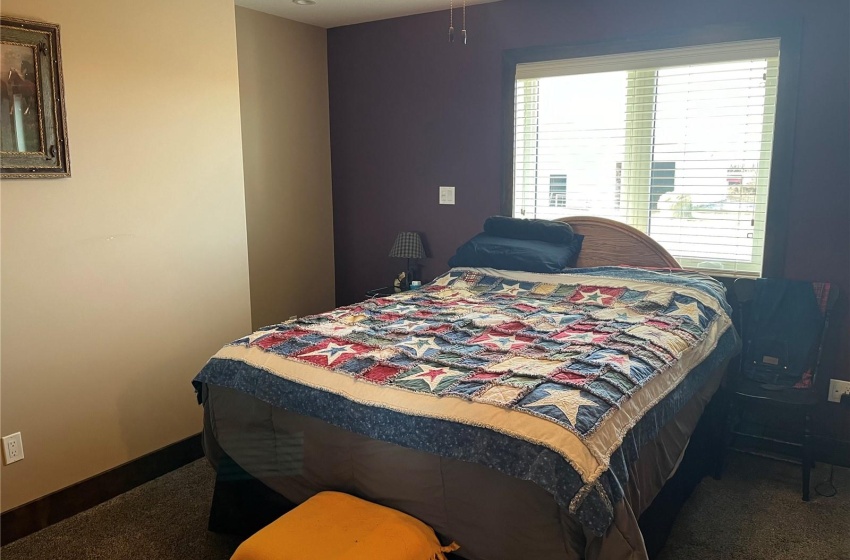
{"type": "Point", "coordinates": [558, 191]}
{"type": "Point", "coordinates": [674, 142]}
{"type": "Point", "coordinates": [662, 180]}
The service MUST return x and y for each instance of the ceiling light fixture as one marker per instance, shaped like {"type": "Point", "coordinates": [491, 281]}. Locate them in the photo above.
{"type": "Point", "coordinates": [304, 2]}
{"type": "Point", "coordinates": [452, 24]}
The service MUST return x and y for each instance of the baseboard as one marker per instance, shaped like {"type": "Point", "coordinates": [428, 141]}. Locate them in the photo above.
{"type": "Point", "coordinates": [833, 451]}
{"type": "Point", "coordinates": [50, 509]}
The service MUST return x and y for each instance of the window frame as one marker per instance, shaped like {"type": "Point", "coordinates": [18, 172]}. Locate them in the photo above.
{"type": "Point", "coordinates": [781, 169]}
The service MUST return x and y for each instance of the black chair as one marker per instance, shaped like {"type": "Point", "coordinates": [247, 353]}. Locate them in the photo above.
{"type": "Point", "coordinates": [778, 365]}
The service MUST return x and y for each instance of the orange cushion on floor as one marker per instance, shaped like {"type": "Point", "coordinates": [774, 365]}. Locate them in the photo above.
{"type": "Point", "coordinates": [336, 526]}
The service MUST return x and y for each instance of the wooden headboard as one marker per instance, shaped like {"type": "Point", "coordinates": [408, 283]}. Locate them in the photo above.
{"type": "Point", "coordinates": [610, 243]}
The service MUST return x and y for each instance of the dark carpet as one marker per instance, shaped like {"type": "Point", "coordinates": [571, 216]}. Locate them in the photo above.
{"type": "Point", "coordinates": [754, 513]}
{"type": "Point", "coordinates": [165, 518]}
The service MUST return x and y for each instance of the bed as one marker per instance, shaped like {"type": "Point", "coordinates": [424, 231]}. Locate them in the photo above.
{"type": "Point", "coordinates": [521, 415]}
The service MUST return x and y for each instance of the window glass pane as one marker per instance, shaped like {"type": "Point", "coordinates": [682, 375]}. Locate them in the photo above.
{"type": "Point", "coordinates": [681, 153]}
{"type": "Point", "coordinates": [708, 125]}
{"type": "Point", "coordinates": [580, 124]}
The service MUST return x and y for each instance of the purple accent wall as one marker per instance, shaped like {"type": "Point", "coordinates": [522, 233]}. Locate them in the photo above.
{"type": "Point", "coordinates": [410, 112]}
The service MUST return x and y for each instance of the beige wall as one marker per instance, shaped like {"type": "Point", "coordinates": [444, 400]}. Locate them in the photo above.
{"type": "Point", "coordinates": [283, 85]}
{"type": "Point", "coordinates": [120, 282]}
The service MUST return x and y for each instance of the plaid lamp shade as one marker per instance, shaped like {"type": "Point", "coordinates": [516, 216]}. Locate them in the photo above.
{"type": "Point", "coordinates": [408, 245]}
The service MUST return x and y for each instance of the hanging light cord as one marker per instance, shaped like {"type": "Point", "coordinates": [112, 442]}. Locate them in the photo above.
{"type": "Point", "coordinates": [451, 21]}
{"type": "Point", "coordinates": [463, 32]}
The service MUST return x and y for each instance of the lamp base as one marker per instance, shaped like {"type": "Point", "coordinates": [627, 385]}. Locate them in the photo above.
{"type": "Point", "coordinates": [402, 282]}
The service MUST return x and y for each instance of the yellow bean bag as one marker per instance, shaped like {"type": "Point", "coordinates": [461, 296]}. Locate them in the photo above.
{"type": "Point", "coordinates": [336, 526]}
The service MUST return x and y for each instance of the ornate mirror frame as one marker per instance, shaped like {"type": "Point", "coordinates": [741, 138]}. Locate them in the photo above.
{"type": "Point", "coordinates": [34, 141]}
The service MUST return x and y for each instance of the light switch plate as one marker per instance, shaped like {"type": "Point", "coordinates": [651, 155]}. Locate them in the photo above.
{"type": "Point", "coordinates": [447, 195]}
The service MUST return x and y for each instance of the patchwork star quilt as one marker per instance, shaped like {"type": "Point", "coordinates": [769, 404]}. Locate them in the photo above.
{"type": "Point", "coordinates": [539, 376]}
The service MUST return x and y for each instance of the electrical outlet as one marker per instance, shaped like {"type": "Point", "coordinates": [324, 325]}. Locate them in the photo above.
{"type": "Point", "coordinates": [13, 448]}
{"type": "Point", "coordinates": [837, 388]}
{"type": "Point", "coordinates": [447, 195]}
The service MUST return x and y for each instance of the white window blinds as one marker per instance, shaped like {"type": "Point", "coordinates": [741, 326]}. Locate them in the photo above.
{"type": "Point", "coordinates": [676, 143]}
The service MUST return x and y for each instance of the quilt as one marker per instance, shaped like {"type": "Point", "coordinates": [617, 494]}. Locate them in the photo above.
{"type": "Point", "coordinates": [540, 376]}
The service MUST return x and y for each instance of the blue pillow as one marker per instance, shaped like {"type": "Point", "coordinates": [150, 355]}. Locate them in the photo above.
{"type": "Point", "coordinates": [528, 255]}
{"type": "Point", "coordinates": [522, 228]}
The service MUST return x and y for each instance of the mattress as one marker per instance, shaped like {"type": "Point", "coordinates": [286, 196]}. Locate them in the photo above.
{"type": "Point", "coordinates": [555, 380]}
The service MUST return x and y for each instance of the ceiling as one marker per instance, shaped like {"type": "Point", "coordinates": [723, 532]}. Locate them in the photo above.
{"type": "Point", "coordinates": [333, 13]}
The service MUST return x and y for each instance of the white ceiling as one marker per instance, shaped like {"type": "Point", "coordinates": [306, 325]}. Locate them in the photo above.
{"type": "Point", "coordinates": [333, 13]}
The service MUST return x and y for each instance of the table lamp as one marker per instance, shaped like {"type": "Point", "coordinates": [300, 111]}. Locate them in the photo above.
{"type": "Point", "coordinates": [408, 245]}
